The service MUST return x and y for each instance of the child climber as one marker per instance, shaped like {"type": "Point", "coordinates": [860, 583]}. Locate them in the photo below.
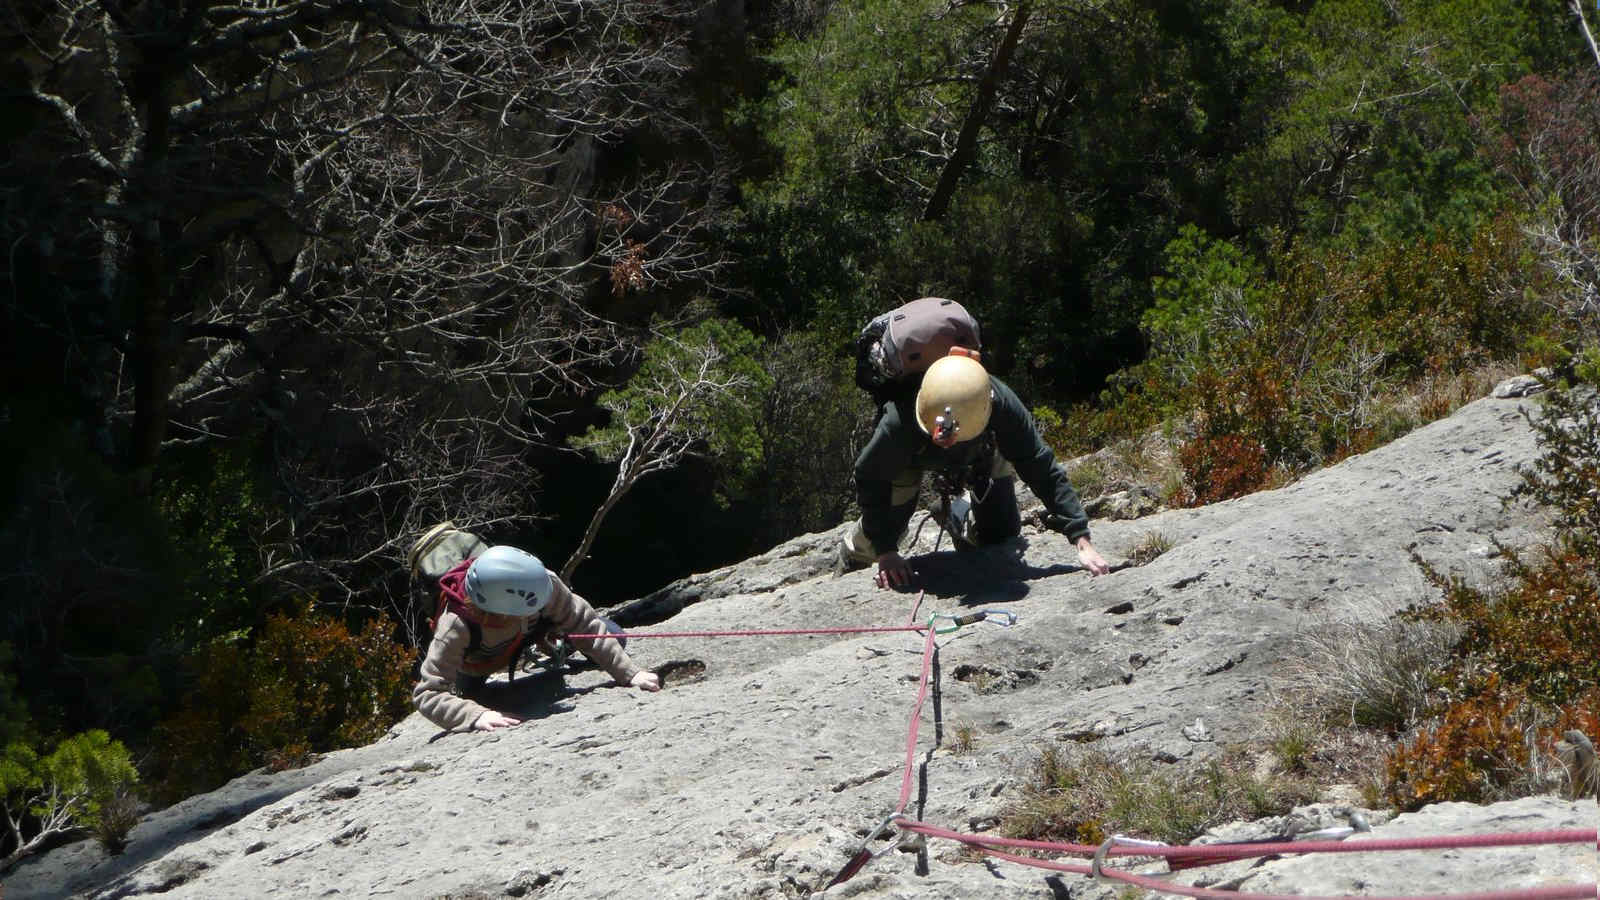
{"type": "Point", "coordinates": [501, 597]}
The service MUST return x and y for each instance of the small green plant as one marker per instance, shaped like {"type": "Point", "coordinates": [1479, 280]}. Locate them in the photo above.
{"type": "Point", "coordinates": [1293, 736]}
{"type": "Point", "coordinates": [1150, 546]}
{"type": "Point", "coordinates": [1090, 477]}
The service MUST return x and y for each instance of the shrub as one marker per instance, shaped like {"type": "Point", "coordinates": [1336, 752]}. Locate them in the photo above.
{"type": "Point", "coordinates": [1566, 476]}
{"type": "Point", "coordinates": [1150, 546]}
{"type": "Point", "coordinates": [1222, 467]}
{"type": "Point", "coordinates": [1525, 652]}
{"type": "Point", "coordinates": [118, 815]}
{"type": "Point", "coordinates": [307, 684]}
{"type": "Point", "coordinates": [1474, 754]}
{"type": "Point", "coordinates": [61, 793]}
{"type": "Point", "coordinates": [1379, 672]}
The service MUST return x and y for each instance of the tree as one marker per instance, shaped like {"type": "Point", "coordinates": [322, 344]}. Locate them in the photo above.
{"type": "Point", "coordinates": [1583, 27]}
{"type": "Point", "coordinates": [697, 391]}
{"type": "Point", "coordinates": [59, 794]}
{"type": "Point", "coordinates": [1546, 140]}
{"type": "Point", "coordinates": [363, 235]}
{"type": "Point", "coordinates": [967, 140]}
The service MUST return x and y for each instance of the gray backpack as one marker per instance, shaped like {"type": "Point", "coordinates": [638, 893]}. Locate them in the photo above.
{"type": "Point", "coordinates": [895, 348]}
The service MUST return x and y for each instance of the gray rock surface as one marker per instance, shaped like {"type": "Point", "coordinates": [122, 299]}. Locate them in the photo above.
{"type": "Point", "coordinates": [766, 760]}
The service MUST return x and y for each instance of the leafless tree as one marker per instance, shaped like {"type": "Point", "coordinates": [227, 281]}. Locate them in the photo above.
{"type": "Point", "coordinates": [372, 229]}
{"type": "Point", "coordinates": [1550, 146]}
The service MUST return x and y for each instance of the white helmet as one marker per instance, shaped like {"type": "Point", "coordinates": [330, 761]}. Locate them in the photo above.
{"type": "Point", "coordinates": [508, 581]}
{"type": "Point", "coordinates": [956, 394]}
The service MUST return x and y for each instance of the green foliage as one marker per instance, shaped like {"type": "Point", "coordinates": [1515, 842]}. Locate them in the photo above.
{"type": "Point", "coordinates": [1370, 143]}
{"type": "Point", "coordinates": [214, 510]}
{"type": "Point", "coordinates": [307, 684]}
{"type": "Point", "coordinates": [1211, 288]}
{"type": "Point", "coordinates": [63, 791]}
{"type": "Point", "coordinates": [1566, 476]}
{"type": "Point", "coordinates": [698, 390]}
{"type": "Point", "coordinates": [865, 98]}
{"type": "Point", "coordinates": [812, 420]}
{"type": "Point", "coordinates": [1297, 375]}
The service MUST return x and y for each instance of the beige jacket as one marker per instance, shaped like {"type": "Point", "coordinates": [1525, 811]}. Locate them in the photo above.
{"type": "Point", "coordinates": [566, 613]}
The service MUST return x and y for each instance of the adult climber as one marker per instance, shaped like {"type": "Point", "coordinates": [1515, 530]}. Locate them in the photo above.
{"type": "Point", "coordinates": [494, 603]}
{"type": "Point", "coordinates": [969, 429]}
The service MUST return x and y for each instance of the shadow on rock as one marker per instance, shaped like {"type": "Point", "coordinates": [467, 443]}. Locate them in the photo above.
{"type": "Point", "coordinates": [535, 695]}
{"type": "Point", "coordinates": [984, 576]}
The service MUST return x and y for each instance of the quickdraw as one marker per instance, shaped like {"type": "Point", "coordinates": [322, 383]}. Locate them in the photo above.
{"type": "Point", "coordinates": [998, 616]}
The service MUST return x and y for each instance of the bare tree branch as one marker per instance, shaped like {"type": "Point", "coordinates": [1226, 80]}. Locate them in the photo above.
{"type": "Point", "coordinates": [1583, 27]}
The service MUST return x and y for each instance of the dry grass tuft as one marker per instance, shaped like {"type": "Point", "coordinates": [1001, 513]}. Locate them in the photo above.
{"type": "Point", "coordinates": [1082, 797]}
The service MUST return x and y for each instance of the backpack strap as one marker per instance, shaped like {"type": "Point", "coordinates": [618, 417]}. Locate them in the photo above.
{"type": "Point", "coordinates": [453, 596]}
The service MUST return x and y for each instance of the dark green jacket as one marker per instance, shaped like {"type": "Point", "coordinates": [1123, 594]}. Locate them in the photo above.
{"type": "Point", "coordinates": [898, 444]}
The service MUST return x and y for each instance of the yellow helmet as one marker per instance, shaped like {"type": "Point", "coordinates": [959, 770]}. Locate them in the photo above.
{"type": "Point", "coordinates": [955, 394]}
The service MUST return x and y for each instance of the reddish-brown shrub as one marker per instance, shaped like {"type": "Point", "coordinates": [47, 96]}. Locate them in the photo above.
{"type": "Point", "coordinates": [1221, 468]}
{"type": "Point", "coordinates": [1538, 633]}
{"type": "Point", "coordinates": [308, 683]}
{"type": "Point", "coordinates": [1475, 750]}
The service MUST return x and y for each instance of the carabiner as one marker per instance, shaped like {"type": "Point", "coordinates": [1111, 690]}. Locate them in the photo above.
{"type": "Point", "coordinates": [1100, 854]}
{"type": "Point", "coordinates": [982, 615]}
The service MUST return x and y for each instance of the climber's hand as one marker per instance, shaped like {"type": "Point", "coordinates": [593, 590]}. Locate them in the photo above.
{"type": "Point", "coordinates": [893, 570]}
{"type": "Point", "coordinates": [490, 720]}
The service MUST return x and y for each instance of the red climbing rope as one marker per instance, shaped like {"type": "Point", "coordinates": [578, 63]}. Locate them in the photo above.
{"type": "Point", "coordinates": [1222, 852]}
{"type": "Point", "coordinates": [916, 723]}
{"type": "Point", "coordinates": [630, 635]}
{"type": "Point", "coordinates": [1558, 892]}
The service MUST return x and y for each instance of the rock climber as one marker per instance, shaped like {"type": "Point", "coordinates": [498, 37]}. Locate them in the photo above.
{"type": "Point", "coordinates": [494, 604]}
{"type": "Point", "coordinates": [970, 429]}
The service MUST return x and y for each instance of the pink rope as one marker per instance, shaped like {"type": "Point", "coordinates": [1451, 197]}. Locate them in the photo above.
{"type": "Point", "coordinates": [1558, 892]}
{"type": "Point", "coordinates": [630, 635]}
{"type": "Point", "coordinates": [916, 724]}
{"type": "Point", "coordinates": [1247, 851]}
